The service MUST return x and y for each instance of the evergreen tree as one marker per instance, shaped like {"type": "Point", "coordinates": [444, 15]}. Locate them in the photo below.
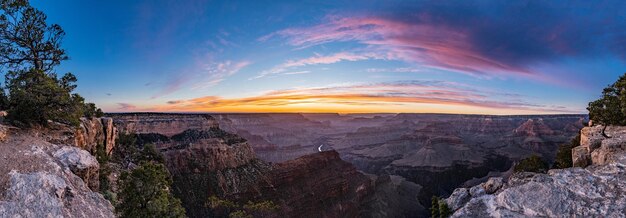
{"type": "Point", "coordinates": [434, 208]}
{"type": "Point", "coordinates": [29, 51]}
{"type": "Point", "coordinates": [610, 109]}
{"type": "Point", "coordinates": [145, 192]}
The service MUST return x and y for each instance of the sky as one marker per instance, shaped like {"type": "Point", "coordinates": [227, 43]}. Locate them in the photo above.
{"type": "Point", "coordinates": [470, 57]}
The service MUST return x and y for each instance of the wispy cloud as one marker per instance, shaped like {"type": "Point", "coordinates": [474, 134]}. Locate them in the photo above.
{"type": "Point", "coordinates": [499, 39]}
{"type": "Point", "coordinates": [401, 94]}
{"type": "Point", "coordinates": [432, 46]}
{"type": "Point", "coordinates": [317, 60]}
{"type": "Point", "coordinates": [126, 106]}
{"type": "Point", "coordinates": [395, 70]}
{"type": "Point", "coordinates": [217, 72]}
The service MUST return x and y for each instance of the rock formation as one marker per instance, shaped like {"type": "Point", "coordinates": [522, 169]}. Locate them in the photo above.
{"type": "Point", "coordinates": [162, 123]}
{"type": "Point", "coordinates": [40, 179]}
{"type": "Point", "coordinates": [90, 134]}
{"type": "Point", "coordinates": [598, 145]}
{"type": "Point", "coordinates": [595, 191]}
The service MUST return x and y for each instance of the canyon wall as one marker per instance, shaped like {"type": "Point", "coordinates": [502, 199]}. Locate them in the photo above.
{"type": "Point", "coordinates": [91, 133]}
{"type": "Point", "coordinates": [206, 161]}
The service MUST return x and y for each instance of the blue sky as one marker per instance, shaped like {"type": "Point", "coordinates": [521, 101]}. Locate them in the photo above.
{"type": "Point", "coordinates": [488, 57]}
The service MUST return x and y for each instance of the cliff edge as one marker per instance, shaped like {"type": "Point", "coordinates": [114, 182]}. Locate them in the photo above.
{"type": "Point", "coordinates": [599, 190]}
{"type": "Point", "coordinates": [41, 179]}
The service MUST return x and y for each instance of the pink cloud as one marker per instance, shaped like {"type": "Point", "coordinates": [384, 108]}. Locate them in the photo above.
{"type": "Point", "coordinates": [425, 44]}
{"type": "Point", "coordinates": [126, 106]}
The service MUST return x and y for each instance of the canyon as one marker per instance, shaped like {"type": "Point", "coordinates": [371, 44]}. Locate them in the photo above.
{"type": "Point", "coordinates": [438, 152]}
{"type": "Point", "coordinates": [311, 165]}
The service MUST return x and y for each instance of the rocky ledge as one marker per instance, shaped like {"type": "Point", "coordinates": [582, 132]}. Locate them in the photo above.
{"type": "Point", "coordinates": [599, 144]}
{"type": "Point", "coordinates": [598, 190]}
{"type": "Point", "coordinates": [40, 179]}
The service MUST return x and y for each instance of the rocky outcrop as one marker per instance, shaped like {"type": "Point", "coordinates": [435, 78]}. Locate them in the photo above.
{"type": "Point", "coordinates": [38, 179]}
{"type": "Point", "coordinates": [91, 133]}
{"type": "Point", "coordinates": [81, 163]}
{"type": "Point", "coordinates": [598, 145]}
{"type": "Point", "coordinates": [162, 123]}
{"type": "Point", "coordinates": [596, 191]}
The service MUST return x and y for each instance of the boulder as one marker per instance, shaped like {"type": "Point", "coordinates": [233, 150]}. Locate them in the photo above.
{"type": "Point", "coordinates": [458, 198]}
{"type": "Point", "coordinates": [44, 194]}
{"type": "Point", "coordinates": [492, 185]}
{"type": "Point", "coordinates": [581, 156]}
{"type": "Point", "coordinates": [81, 163]}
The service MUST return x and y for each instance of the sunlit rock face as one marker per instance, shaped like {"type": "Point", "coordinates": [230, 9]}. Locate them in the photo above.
{"type": "Point", "coordinates": [91, 133]}
{"type": "Point", "coordinates": [40, 179]}
{"type": "Point", "coordinates": [599, 144]}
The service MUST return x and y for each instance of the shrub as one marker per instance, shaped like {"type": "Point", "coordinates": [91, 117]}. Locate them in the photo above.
{"type": "Point", "coordinates": [35, 98]}
{"type": "Point", "coordinates": [145, 192]}
{"type": "Point", "coordinates": [221, 207]}
{"type": "Point", "coordinates": [533, 163]}
{"type": "Point", "coordinates": [563, 157]}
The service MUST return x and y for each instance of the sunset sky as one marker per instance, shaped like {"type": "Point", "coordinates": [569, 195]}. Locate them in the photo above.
{"type": "Point", "coordinates": [477, 57]}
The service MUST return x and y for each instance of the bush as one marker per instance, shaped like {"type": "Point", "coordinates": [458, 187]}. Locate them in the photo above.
{"type": "Point", "coordinates": [563, 157]}
{"type": "Point", "coordinates": [221, 208]}
{"type": "Point", "coordinates": [145, 192]}
{"type": "Point", "coordinates": [35, 98]}
{"type": "Point", "coordinates": [533, 163]}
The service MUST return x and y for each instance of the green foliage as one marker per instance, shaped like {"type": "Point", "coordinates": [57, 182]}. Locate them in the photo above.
{"type": "Point", "coordinates": [215, 202]}
{"type": "Point", "coordinates": [434, 208]}
{"type": "Point", "coordinates": [439, 208]}
{"type": "Point", "coordinates": [149, 153]}
{"type": "Point", "coordinates": [563, 157]}
{"type": "Point", "coordinates": [144, 192]}
{"type": "Point", "coordinates": [36, 97]}
{"type": "Point", "coordinates": [610, 109]}
{"type": "Point", "coordinates": [127, 151]}
{"type": "Point", "coordinates": [29, 50]}
{"type": "Point", "coordinates": [90, 110]}
{"type": "Point", "coordinates": [533, 163]}
{"type": "Point", "coordinates": [223, 207]}
{"type": "Point", "coordinates": [26, 40]}
{"type": "Point", "coordinates": [239, 214]}
{"type": "Point", "coordinates": [103, 174]}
